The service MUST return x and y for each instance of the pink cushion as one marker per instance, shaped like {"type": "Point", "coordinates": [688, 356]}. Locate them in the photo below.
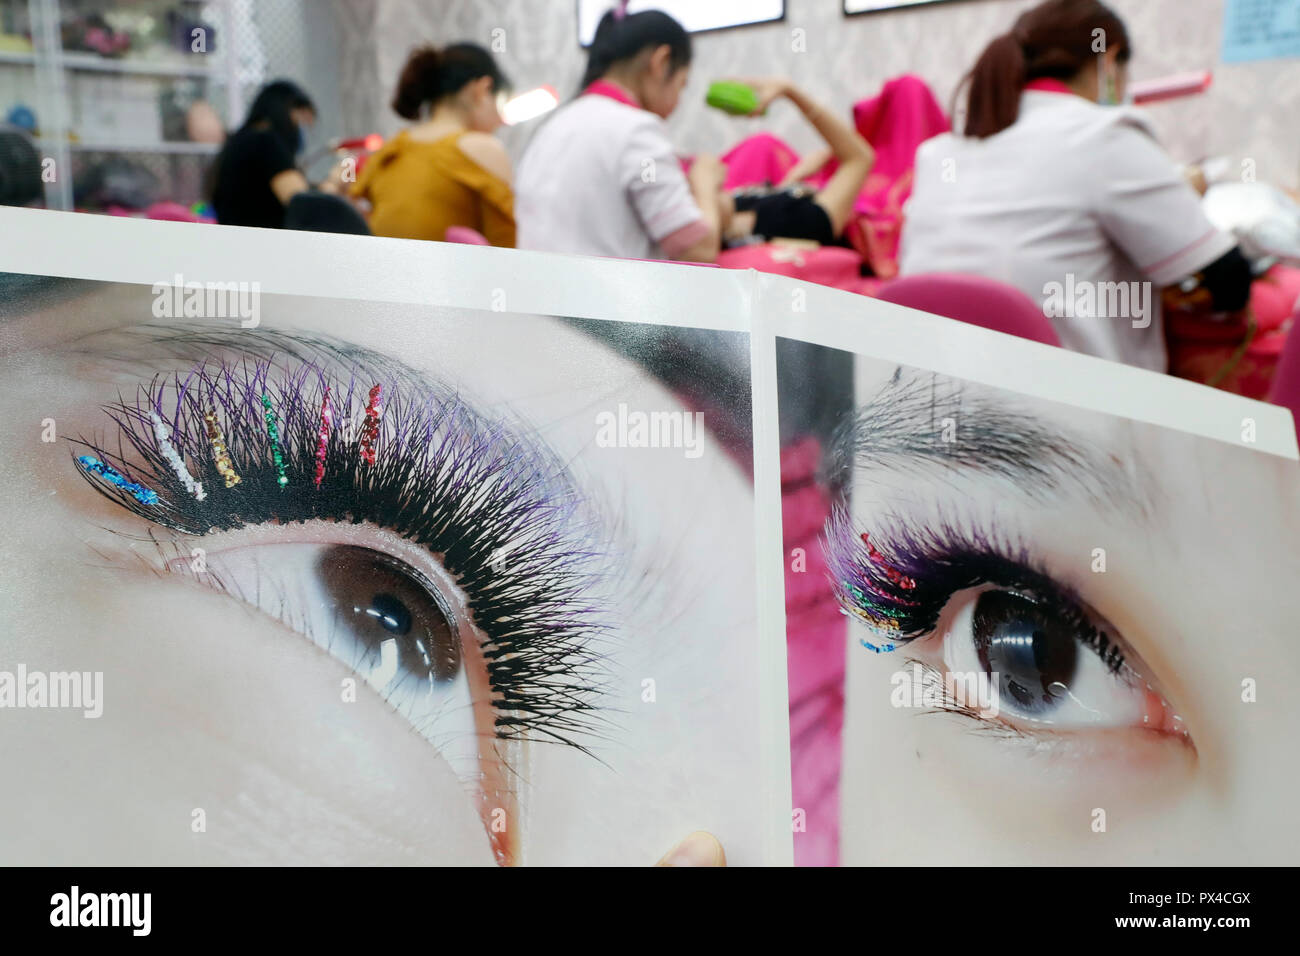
{"type": "Point", "coordinates": [974, 300]}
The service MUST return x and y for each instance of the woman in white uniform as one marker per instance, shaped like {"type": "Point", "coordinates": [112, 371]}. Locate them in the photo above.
{"type": "Point", "coordinates": [1056, 190]}
{"type": "Point", "coordinates": [601, 177]}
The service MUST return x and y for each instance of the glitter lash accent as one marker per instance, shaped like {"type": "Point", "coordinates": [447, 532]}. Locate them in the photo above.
{"type": "Point", "coordinates": [219, 451]}
{"type": "Point", "coordinates": [370, 429]}
{"type": "Point", "coordinates": [323, 437]}
{"type": "Point", "coordinates": [464, 485]}
{"type": "Point", "coordinates": [163, 434]}
{"type": "Point", "coordinates": [139, 492]}
{"type": "Point", "coordinates": [891, 572]}
{"type": "Point", "coordinates": [273, 433]}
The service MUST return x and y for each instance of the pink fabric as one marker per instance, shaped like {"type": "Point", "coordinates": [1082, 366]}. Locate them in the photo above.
{"type": "Point", "coordinates": [1045, 84]}
{"type": "Point", "coordinates": [815, 641]}
{"type": "Point", "coordinates": [613, 91]}
{"type": "Point", "coordinates": [974, 300]}
{"type": "Point", "coordinates": [1286, 381]}
{"type": "Point", "coordinates": [1203, 347]}
{"type": "Point", "coordinates": [903, 116]}
{"type": "Point", "coordinates": [758, 160]}
{"type": "Point", "coordinates": [465, 235]}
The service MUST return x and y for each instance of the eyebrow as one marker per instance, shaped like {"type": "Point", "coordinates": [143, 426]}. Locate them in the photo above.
{"type": "Point", "coordinates": [926, 425]}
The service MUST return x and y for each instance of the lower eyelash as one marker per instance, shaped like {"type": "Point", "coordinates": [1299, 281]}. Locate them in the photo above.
{"type": "Point", "coordinates": [502, 516]}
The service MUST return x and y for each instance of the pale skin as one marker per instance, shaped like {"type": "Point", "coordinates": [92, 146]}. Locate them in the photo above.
{"type": "Point", "coordinates": [211, 704]}
{"type": "Point", "coordinates": [1199, 586]}
{"type": "Point", "coordinates": [471, 112]}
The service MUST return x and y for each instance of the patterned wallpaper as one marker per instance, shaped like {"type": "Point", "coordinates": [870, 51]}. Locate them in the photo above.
{"type": "Point", "coordinates": [1252, 111]}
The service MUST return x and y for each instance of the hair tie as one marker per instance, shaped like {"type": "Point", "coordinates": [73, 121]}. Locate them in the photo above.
{"type": "Point", "coordinates": [620, 9]}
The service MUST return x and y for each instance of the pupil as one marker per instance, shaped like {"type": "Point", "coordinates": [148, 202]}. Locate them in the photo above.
{"type": "Point", "coordinates": [391, 603]}
{"type": "Point", "coordinates": [1033, 652]}
{"type": "Point", "coordinates": [390, 613]}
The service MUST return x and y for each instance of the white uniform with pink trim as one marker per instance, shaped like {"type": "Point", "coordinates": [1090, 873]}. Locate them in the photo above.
{"type": "Point", "coordinates": [600, 177]}
{"type": "Point", "coordinates": [1071, 199]}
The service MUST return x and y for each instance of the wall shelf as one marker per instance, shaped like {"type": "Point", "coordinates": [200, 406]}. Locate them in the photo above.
{"type": "Point", "coordinates": [68, 90]}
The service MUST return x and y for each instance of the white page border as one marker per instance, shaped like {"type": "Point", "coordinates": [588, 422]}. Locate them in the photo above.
{"type": "Point", "coordinates": [892, 333]}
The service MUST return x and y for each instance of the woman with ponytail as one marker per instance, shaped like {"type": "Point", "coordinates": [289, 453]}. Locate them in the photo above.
{"type": "Point", "coordinates": [1055, 187]}
{"type": "Point", "coordinates": [447, 169]}
{"type": "Point", "coordinates": [601, 177]}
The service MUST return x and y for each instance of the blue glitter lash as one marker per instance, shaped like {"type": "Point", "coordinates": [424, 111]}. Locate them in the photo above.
{"type": "Point", "coordinates": [139, 492]}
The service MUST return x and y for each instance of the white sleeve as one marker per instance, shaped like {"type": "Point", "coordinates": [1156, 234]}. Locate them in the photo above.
{"type": "Point", "coordinates": [1146, 207]}
{"type": "Point", "coordinates": [655, 182]}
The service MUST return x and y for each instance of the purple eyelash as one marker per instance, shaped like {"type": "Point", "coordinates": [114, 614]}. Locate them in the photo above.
{"type": "Point", "coordinates": [500, 511]}
{"type": "Point", "coordinates": [937, 562]}
{"type": "Point", "coordinates": [900, 591]}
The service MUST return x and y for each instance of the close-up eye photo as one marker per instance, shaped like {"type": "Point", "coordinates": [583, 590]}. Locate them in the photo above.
{"type": "Point", "coordinates": [485, 571]}
{"type": "Point", "coordinates": [648, 433]}
{"type": "Point", "coordinates": [1055, 625]}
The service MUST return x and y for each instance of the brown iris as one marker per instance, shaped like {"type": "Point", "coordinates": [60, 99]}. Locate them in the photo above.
{"type": "Point", "coordinates": [382, 599]}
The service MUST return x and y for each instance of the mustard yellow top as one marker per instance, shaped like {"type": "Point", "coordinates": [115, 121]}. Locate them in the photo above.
{"type": "Point", "coordinates": [417, 189]}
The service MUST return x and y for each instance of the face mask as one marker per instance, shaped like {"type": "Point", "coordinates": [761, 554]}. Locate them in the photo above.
{"type": "Point", "coordinates": [1108, 83]}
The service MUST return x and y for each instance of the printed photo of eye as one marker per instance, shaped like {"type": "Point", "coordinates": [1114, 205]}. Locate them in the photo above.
{"type": "Point", "coordinates": [386, 587]}
{"type": "Point", "coordinates": [1032, 602]}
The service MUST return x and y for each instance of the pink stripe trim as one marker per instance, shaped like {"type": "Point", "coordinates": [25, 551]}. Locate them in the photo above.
{"type": "Point", "coordinates": [613, 91]}
{"type": "Point", "coordinates": [1157, 266]}
{"type": "Point", "coordinates": [683, 238]}
{"type": "Point", "coordinates": [1045, 84]}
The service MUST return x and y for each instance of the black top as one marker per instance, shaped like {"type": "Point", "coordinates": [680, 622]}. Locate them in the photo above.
{"type": "Point", "coordinates": [242, 193]}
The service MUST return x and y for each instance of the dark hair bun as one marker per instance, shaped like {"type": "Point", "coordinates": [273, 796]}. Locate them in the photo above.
{"type": "Point", "coordinates": [430, 75]}
{"type": "Point", "coordinates": [418, 83]}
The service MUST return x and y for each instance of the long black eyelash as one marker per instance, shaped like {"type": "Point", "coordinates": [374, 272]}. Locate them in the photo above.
{"type": "Point", "coordinates": [502, 515]}
{"type": "Point", "coordinates": [899, 582]}
{"type": "Point", "coordinates": [933, 680]}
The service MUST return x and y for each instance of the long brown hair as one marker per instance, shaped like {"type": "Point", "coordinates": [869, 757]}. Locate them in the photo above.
{"type": "Point", "coordinates": [1055, 39]}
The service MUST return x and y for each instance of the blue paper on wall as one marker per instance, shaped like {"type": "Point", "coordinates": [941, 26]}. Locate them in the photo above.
{"type": "Point", "coordinates": [1260, 30]}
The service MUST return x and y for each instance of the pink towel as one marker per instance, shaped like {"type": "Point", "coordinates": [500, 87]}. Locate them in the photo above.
{"type": "Point", "coordinates": [815, 636]}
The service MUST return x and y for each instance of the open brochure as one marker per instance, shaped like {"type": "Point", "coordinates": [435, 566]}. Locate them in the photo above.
{"type": "Point", "coordinates": [321, 549]}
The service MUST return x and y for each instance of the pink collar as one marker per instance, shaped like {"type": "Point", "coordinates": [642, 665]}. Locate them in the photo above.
{"type": "Point", "coordinates": [613, 91]}
{"type": "Point", "coordinates": [1045, 84]}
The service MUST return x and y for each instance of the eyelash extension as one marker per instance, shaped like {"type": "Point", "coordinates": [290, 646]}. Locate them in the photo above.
{"type": "Point", "coordinates": [933, 680]}
{"type": "Point", "coordinates": [427, 467]}
{"type": "Point", "coordinates": [870, 580]}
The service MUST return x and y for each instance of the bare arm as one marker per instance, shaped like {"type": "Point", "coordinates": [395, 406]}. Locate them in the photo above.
{"type": "Point", "coordinates": [854, 153]}
{"type": "Point", "coordinates": [705, 179]}
{"type": "Point", "coordinates": [288, 184]}
{"type": "Point", "coordinates": [807, 165]}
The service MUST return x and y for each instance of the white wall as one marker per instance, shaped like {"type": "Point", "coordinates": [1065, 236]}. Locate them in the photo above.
{"type": "Point", "coordinates": [1250, 112]}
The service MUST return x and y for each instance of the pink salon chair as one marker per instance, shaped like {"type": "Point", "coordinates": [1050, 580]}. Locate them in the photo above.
{"type": "Point", "coordinates": [466, 235]}
{"type": "Point", "coordinates": [1285, 390]}
{"type": "Point", "coordinates": [975, 300]}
